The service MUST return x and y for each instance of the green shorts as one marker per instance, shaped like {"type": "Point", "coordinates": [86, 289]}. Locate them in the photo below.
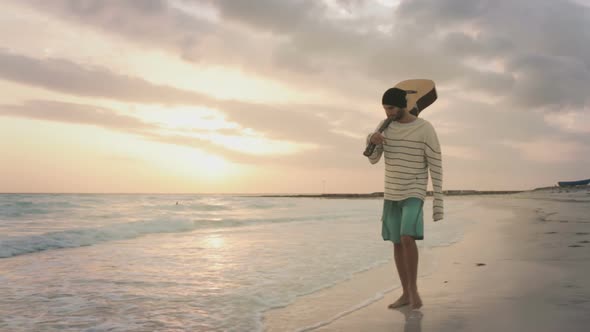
{"type": "Point", "coordinates": [402, 218]}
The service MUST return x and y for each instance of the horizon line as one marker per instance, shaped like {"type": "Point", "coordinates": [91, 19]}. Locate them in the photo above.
{"type": "Point", "coordinates": [238, 193]}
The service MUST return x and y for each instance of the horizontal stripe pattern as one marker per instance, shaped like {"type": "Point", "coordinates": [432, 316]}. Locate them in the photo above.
{"type": "Point", "coordinates": [411, 153]}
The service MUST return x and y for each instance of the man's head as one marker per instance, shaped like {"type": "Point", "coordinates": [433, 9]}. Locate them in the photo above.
{"type": "Point", "coordinates": [394, 103]}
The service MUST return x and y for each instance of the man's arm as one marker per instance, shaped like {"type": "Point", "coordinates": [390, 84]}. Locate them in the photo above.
{"type": "Point", "coordinates": [376, 155]}
{"type": "Point", "coordinates": [434, 160]}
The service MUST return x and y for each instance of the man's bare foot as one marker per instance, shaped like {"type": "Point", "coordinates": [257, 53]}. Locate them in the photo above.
{"type": "Point", "coordinates": [402, 301]}
{"type": "Point", "coordinates": [415, 301]}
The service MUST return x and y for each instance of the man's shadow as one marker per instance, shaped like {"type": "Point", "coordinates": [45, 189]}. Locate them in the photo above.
{"type": "Point", "coordinates": [413, 319]}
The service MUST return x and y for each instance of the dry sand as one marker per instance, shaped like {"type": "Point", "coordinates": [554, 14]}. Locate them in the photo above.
{"type": "Point", "coordinates": [523, 267]}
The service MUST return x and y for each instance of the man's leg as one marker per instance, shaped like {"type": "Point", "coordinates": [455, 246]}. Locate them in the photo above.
{"type": "Point", "coordinates": [410, 253]}
{"type": "Point", "coordinates": [402, 271]}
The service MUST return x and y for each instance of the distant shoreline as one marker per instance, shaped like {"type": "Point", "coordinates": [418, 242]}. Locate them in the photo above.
{"type": "Point", "coordinates": [380, 194]}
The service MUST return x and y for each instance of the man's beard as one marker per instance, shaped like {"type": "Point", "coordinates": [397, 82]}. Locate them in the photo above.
{"type": "Point", "coordinates": [399, 115]}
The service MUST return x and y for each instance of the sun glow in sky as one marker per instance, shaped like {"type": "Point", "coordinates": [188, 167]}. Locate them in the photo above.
{"type": "Point", "coordinates": [218, 96]}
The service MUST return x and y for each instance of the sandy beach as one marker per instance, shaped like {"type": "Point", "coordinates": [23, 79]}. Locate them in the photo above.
{"type": "Point", "coordinates": [521, 266]}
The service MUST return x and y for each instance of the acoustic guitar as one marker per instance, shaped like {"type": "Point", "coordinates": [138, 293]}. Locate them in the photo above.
{"type": "Point", "coordinates": [421, 93]}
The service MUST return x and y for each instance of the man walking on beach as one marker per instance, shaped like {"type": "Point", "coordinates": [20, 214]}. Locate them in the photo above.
{"type": "Point", "coordinates": [411, 148]}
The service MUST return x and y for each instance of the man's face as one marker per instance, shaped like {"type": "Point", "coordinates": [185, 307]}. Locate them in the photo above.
{"type": "Point", "coordinates": [393, 112]}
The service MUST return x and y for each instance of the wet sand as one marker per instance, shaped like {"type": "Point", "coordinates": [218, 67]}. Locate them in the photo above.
{"type": "Point", "coordinates": [523, 266]}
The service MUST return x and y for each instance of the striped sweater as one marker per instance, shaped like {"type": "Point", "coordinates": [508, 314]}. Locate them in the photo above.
{"type": "Point", "coordinates": [411, 150]}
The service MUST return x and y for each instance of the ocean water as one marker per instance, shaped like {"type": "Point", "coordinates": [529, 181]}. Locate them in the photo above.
{"type": "Point", "coordinates": [184, 262]}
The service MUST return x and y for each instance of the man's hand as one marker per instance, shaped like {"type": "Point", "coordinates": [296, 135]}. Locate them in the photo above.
{"type": "Point", "coordinates": [377, 138]}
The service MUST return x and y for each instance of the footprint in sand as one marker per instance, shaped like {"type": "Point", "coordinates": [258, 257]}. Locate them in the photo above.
{"type": "Point", "coordinates": [550, 232]}
{"type": "Point", "coordinates": [575, 246]}
{"type": "Point", "coordinates": [582, 233]}
{"type": "Point", "coordinates": [585, 241]}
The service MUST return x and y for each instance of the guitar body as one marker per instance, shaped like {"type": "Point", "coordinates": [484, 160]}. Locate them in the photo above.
{"type": "Point", "coordinates": [421, 94]}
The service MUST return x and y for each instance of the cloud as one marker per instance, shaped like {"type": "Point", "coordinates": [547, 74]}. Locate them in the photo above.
{"type": "Point", "coordinates": [437, 39]}
{"type": "Point", "coordinates": [296, 122]}
{"type": "Point", "coordinates": [154, 23]}
{"type": "Point", "coordinates": [310, 39]}
{"type": "Point", "coordinates": [75, 113]}
{"type": "Point", "coordinates": [295, 40]}
{"type": "Point", "coordinates": [462, 152]}
{"type": "Point", "coordinates": [109, 119]}
{"type": "Point", "coordinates": [69, 77]}
{"type": "Point", "coordinates": [573, 121]}
{"type": "Point", "coordinates": [550, 150]}
{"type": "Point", "coordinates": [83, 114]}
{"type": "Point", "coordinates": [550, 81]}
{"type": "Point", "coordinates": [270, 15]}
{"type": "Point", "coordinates": [535, 43]}
{"type": "Point", "coordinates": [512, 75]}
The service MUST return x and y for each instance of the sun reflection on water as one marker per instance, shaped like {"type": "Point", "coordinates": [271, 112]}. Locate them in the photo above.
{"type": "Point", "coordinates": [215, 241]}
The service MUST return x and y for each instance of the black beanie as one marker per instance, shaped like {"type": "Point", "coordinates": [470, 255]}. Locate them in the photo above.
{"type": "Point", "coordinates": [395, 97]}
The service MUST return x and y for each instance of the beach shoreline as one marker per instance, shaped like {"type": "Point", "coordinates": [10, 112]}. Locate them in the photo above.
{"type": "Point", "coordinates": [380, 194]}
{"type": "Point", "coordinates": [519, 268]}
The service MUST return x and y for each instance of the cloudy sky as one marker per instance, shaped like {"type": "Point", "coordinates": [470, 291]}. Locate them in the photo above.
{"type": "Point", "coordinates": [269, 96]}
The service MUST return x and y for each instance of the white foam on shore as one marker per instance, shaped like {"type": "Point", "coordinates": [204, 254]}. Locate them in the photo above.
{"type": "Point", "coordinates": [18, 245]}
